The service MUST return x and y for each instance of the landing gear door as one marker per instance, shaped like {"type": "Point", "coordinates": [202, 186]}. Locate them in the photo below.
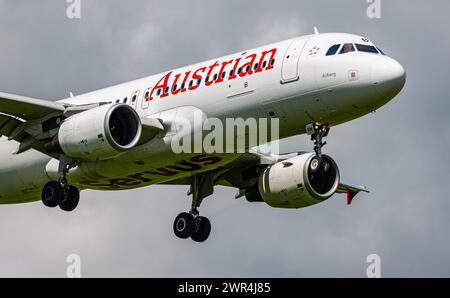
{"type": "Point", "coordinates": [290, 71]}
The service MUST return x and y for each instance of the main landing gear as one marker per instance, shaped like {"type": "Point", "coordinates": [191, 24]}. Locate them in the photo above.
{"type": "Point", "coordinates": [192, 224]}
{"type": "Point", "coordinates": [60, 193]}
{"type": "Point", "coordinates": [317, 133]}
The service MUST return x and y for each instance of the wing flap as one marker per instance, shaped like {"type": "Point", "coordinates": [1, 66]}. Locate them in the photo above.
{"type": "Point", "coordinates": [8, 126]}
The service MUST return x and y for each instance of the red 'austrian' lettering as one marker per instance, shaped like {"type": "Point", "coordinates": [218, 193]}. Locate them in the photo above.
{"type": "Point", "coordinates": [241, 66]}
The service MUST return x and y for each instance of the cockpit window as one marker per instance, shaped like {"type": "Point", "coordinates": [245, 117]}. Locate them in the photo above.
{"type": "Point", "coordinates": [347, 48]}
{"type": "Point", "coordinates": [366, 48]}
{"type": "Point", "coordinates": [381, 52]}
{"type": "Point", "coordinates": [332, 50]}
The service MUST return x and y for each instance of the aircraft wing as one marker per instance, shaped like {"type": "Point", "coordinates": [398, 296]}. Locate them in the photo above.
{"type": "Point", "coordinates": [245, 169]}
{"type": "Point", "coordinates": [351, 190]}
{"type": "Point", "coordinates": [27, 108]}
{"type": "Point", "coordinates": [30, 121]}
{"type": "Point", "coordinates": [22, 119]}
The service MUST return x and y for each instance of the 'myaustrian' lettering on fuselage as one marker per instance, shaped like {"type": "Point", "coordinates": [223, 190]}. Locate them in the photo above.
{"type": "Point", "coordinates": [191, 80]}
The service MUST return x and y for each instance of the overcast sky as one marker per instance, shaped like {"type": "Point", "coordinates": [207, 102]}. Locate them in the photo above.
{"type": "Point", "coordinates": [400, 153]}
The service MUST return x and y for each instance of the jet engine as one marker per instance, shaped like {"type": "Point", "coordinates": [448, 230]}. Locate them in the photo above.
{"type": "Point", "coordinates": [296, 182]}
{"type": "Point", "coordinates": [99, 133]}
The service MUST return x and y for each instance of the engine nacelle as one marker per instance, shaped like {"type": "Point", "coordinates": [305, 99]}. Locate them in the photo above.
{"type": "Point", "coordinates": [292, 184]}
{"type": "Point", "coordinates": [99, 133]}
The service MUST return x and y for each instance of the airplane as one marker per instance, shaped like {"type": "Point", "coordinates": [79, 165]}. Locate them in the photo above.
{"type": "Point", "coordinates": [119, 137]}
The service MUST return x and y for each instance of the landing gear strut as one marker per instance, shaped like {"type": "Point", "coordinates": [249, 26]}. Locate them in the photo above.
{"type": "Point", "coordinates": [317, 133]}
{"type": "Point", "coordinates": [61, 193]}
{"type": "Point", "coordinates": [192, 224]}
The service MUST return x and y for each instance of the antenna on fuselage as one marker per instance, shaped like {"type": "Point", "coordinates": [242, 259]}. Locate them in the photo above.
{"type": "Point", "coordinates": [70, 94]}
{"type": "Point", "coordinates": [316, 31]}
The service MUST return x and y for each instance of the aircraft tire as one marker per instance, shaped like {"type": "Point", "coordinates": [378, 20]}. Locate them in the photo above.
{"type": "Point", "coordinates": [203, 229]}
{"type": "Point", "coordinates": [315, 164]}
{"type": "Point", "coordinates": [184, 225]}
{"type": "Point", "coordinates": [52, 194]}
{"type": "Point", "coordinates": [71, 202]}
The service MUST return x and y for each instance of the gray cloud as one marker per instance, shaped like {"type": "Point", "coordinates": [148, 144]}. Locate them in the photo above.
{"type": "Point", "coordinates": [401, 152]}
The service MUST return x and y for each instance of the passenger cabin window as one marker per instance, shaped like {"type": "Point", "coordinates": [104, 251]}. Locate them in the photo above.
{"type": "Point", "coordinates": [366, 48]}
{"type": "Point", "coordinates": [134, 98]}
{"type": "Point", "coordinates": [125, 100]}
{"type": "Point", "coordinates": [347, 48]}
{"type": "Point", "coordinates": [332, 50]}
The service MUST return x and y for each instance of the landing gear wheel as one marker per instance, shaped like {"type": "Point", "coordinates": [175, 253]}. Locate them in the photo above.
{"type": "Point", "coordinates": [315, 164]}
{"type": "Point", "coordinates": [52, 194]}
{"type": "Point", "coordinates": [192, 224]}
{"type": "Point", "coordinates": [184, 225]}
{"type": "Point", "coordinates": [71, 202]}
{"type": "Point", "coordinates": [203, 229]}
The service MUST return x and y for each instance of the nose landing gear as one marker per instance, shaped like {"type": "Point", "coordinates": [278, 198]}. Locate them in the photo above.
{"type": "Point", "coordinates": [317, 133]}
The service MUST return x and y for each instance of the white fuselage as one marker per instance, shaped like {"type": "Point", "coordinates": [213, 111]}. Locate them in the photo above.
{"type": "Point", "coordinates": [296, 83]}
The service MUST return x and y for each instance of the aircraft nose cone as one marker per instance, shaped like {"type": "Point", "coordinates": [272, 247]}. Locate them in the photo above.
{"type": "Point", "coordinates": [389, 77]}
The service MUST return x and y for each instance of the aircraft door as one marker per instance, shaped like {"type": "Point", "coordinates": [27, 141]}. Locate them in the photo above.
{"type": "Point", "coordinates": [134, 99]}
{"type": "Point", "coordinates": [290, 71]}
